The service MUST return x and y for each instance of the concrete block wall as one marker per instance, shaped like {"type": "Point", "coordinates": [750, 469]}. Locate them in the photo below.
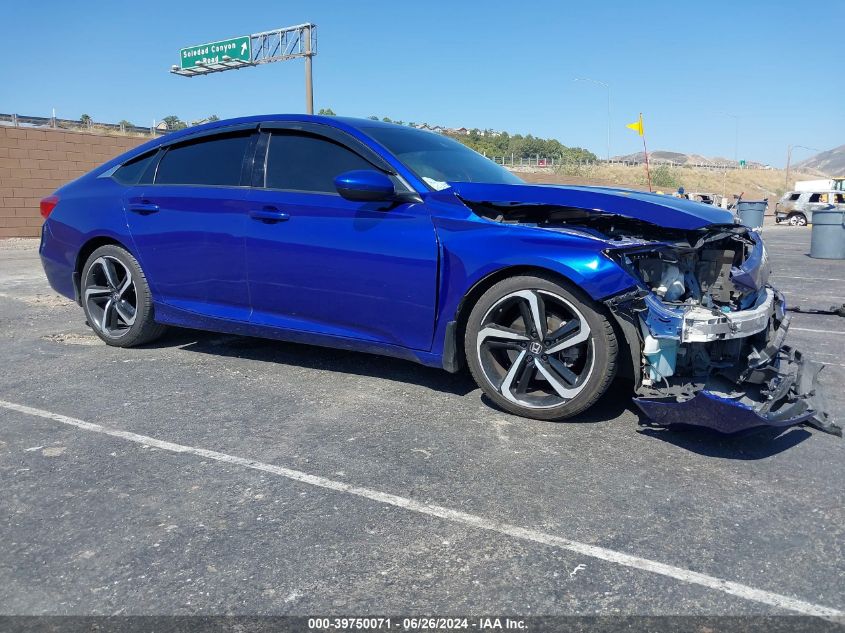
{"type": "Point", "coordinates": [36, 162]}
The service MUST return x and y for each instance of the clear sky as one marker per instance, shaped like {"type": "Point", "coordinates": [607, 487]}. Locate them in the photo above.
{"type": "Point", "coordinates": [777, 65]}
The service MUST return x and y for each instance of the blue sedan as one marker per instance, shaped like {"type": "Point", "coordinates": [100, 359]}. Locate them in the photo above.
{"type": "Point", "coordinates": [390, 240]}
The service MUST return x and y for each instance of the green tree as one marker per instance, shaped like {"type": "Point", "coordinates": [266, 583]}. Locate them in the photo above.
{"type": "Point", "coordinates": [212, 118]}
{"type": "Point", "coordinates": [126, 124]}
{"type": "Point", "coordinates": [373, 117]}
{"type": "Point", "coordinates": [173, 122]}
{"type": "Point", "coordinates": [387, 119]}
{"type": "Point", "coordinates": [327, 112]}
{"type": "Point", "coordinates": [86, 120]}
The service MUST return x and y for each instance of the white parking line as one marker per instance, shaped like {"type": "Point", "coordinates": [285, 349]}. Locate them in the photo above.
{"type": "Point", "coordinates": [776, 276]}
{"type": "Point", "coordinates": [805, 329]}
{"type": "Point", "coordinates": [456, 516]}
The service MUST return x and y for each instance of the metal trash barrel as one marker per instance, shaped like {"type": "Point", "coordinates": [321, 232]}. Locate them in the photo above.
{"type": "Point", "coordinates": [751, 212]}
{"type": "Point", "coordinates": [828, 237]}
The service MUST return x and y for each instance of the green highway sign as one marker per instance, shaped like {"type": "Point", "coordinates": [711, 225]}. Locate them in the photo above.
{"type": "Point", "coordinates": [239, 48]}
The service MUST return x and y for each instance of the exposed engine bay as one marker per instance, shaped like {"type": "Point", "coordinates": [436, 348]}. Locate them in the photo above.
{"type": "Point", "coordinates": [705, 329]}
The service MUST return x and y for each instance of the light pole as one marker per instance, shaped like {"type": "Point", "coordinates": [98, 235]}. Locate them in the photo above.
{"type": "Point", "coordinates": [607, 86]}
{"type": "Point", "coordinates": [789, 160]}
{"type": "Point", "coordinates": [735, 117]}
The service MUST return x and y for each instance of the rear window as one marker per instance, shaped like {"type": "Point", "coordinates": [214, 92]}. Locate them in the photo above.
{"type": "Point", "coordinates": [217, 160]}
{"type": "Point", "coordinates": [130, 173]}
{"type": "Point", "coordinates": [795, 196]}
{"type": "Point", "coordinates": [815, 197]}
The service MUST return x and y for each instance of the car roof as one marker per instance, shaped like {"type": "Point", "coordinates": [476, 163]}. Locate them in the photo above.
{"type": "Point", "coordinates": [352, 125]}
{"type": "Point", "coordinates": [348, 123]}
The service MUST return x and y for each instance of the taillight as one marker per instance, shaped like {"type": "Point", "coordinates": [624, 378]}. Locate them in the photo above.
{"type": "Point", "coordinates": [47, 205]}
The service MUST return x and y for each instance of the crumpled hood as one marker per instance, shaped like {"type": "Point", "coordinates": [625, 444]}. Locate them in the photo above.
{"type": "Point", "coordinates": [661, 210]}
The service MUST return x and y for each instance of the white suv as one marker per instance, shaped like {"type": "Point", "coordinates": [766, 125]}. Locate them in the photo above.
{"type": "Point", "coordinates": [796, 207]}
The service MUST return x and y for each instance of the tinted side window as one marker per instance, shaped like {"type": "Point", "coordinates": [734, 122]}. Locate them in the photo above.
{"type": "Point", "coordinates": [308, 163]}
{"type": "Point", "coordinates": [209, 161]}
{"type": "Point", "coordinates": [815, 197]}
{"type": "Point", "coordinates": [131, 171]}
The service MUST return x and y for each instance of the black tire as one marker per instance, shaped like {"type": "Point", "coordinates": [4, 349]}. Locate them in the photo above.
{"type": "Point", "coordinates": [486, 359]}
{"type": "Point", "coordinates": [107, 302]}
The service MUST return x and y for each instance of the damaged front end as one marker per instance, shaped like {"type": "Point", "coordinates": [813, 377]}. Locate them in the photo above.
{"type": "Point", "coordinates": [705, 329]}
{"type": "Point", "coordinates": [707, 335]}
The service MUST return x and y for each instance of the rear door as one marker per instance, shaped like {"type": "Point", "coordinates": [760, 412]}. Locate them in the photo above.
{"type": "Point", "coordinates": [320, 263]}
{"type": "Point", "coordinates": [188, 223]}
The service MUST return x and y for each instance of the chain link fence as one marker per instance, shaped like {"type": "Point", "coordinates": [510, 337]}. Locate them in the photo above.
{"type": "Point", "coordinates": [552, 162]}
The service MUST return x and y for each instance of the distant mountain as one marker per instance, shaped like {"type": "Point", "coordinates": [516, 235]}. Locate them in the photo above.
{"type": "Point", "coordinates": [829, 163]}
{"type": "Point", "coordinates": [679, 158]}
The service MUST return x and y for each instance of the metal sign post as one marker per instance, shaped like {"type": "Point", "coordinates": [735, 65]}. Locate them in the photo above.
{"type": "Point", "coordinates": [309, 84]}
{"type": "Point", "coordinates": [235, 53]}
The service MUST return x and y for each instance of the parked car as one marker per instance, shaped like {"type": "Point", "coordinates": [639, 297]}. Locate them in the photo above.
{"type": "Point", "coordinates": [386, 239]}
{"type": "Point", "coordinates": [796, 207]}
{"type": "Point", "coordinates": [704, 197]}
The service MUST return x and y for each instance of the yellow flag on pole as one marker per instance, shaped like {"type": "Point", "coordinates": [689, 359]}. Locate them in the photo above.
{"type": "Point", "coordinates": [637, 125]}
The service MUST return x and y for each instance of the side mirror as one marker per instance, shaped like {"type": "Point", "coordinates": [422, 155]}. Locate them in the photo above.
{"type": "Point", "coordinates": [365, 185]}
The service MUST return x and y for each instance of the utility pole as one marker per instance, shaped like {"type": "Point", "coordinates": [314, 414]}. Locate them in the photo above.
{"type": "Point", "coordinates": [309, 85]}
{"type": "Point", "coordinates": [607, 87]}
{"type": "Point", "coordinates": [789, 160]}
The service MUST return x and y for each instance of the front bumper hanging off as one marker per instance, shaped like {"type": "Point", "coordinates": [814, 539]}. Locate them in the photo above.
{"type": "Point", "coordinates": [776, 388]}
{"type": "Point", "coordinates": [787, 394]}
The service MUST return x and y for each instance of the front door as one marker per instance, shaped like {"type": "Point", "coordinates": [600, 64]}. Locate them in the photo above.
{"type": "Point", "coordinates": [320, 263]}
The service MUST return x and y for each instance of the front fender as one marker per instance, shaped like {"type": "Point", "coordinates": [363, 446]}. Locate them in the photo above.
{"type": "Point", "coordinates": [473, 250]}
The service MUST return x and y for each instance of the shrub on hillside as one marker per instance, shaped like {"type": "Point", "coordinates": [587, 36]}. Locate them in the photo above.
{"type": "Point", "coordinates": [665, 176]}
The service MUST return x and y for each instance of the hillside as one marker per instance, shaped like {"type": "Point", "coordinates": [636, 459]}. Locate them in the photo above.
{"type": "Point", "coordinates": [829, 163]}
{"type": "Point", "coordinates": [679, 158]}
{"type": "Point", "coordinates": [755, 184]}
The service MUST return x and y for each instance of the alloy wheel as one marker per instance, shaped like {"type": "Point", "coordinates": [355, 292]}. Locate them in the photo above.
{"type": "Point", "coordinates": [535, 348]}
{"type": "Point", "coordinates": [110, 296]}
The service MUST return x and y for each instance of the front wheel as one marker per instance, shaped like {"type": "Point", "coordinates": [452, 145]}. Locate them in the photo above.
{"type": "Point", "coordinates": [540, 349]}
{"type": "Point", "coordinates": [116, 298]}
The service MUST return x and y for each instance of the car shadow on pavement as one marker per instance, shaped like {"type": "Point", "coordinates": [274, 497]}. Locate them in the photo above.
{"type": "Point", "coordinates": [315, 357]}
{"type": "Point", "coordinates": [752, 445]}
{"type": "Point", "coordinates": [613, 405]}
{"type": "Point", "coordinates": [615, 402]}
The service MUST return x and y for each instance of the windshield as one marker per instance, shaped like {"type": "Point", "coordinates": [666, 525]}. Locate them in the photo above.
{"type": "Point", "coordinates": [439, 160]}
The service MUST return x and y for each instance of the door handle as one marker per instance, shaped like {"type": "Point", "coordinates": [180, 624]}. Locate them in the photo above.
{"type": "Point", "coordinates": [143, 208]}
{"type": "Point", "coordinates": [269, 214]}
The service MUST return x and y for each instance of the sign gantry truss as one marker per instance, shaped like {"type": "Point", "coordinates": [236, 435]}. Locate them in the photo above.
{"type": "Point", "coordinates": [277, 45]}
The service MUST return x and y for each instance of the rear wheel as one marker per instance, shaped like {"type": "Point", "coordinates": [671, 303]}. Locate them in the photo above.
{"type": "Point", "coordinates": [798, 219]}
{"type": "Point", "coordinates": [116, 298]}
{"type": "Point", "coordinates": [540, 349]}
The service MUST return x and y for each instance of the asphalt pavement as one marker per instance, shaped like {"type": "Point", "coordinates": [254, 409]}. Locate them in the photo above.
{"type": "Point", "coordinates": [214, 474]}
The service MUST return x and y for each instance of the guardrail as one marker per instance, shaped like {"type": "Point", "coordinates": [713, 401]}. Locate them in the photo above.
{"type": "Point", "coordinates": [20, 120]}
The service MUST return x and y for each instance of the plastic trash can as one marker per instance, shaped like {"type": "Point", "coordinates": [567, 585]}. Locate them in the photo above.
{"type": "Point", "coordinates": [828, 237]}
{"type": "Point", "coordinates": [751, 212]}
